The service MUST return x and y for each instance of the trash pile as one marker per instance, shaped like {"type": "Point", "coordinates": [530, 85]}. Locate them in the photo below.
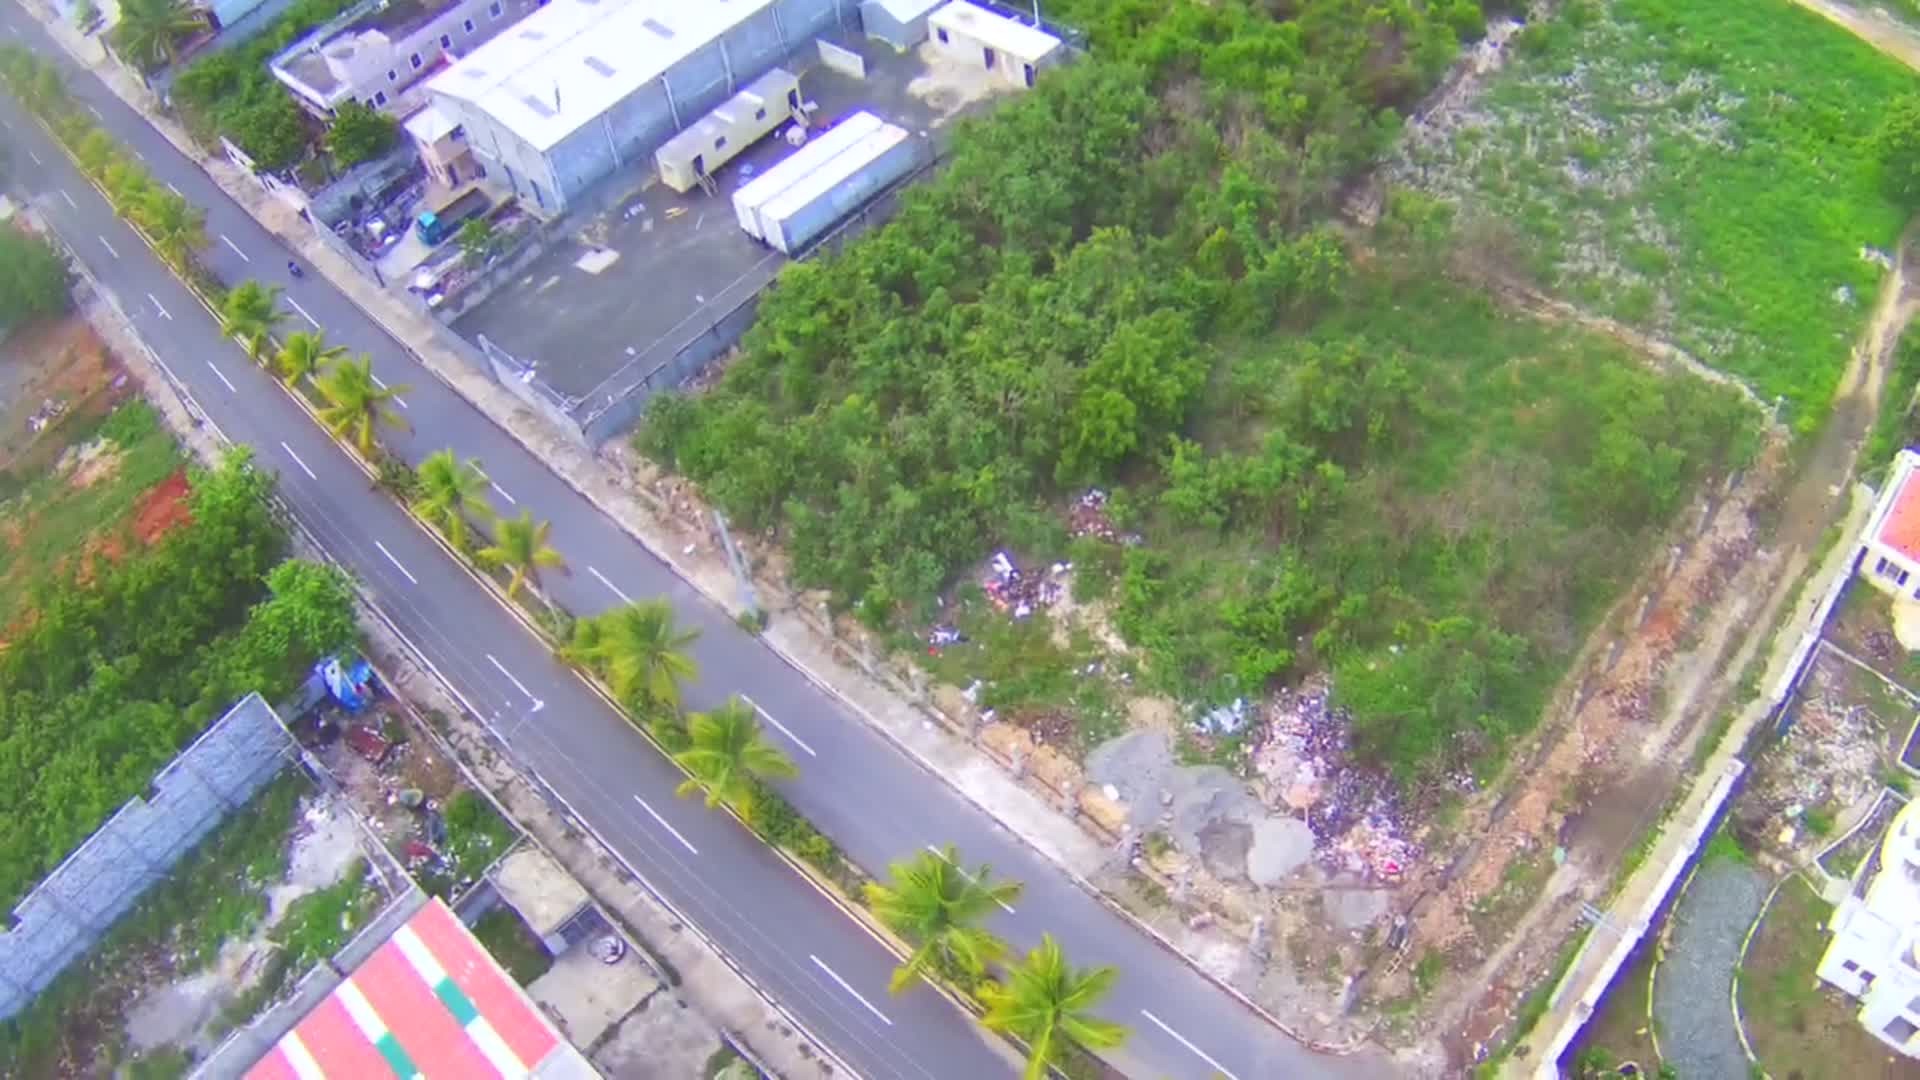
{"type": "Point", "coordinates": [49, 411]}
{"type": "Point", "coordinates": [1018, 593]}
{"type": "Point", "coordinates": [1228, 719]}
{"type": "Point", "coordinates": [1088, 517]}
{"type": "Point", "coordinates": [1306, 761]}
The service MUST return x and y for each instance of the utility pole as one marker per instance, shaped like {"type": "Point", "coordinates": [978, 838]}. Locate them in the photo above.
{"type": "Point", "coordinates": [739, 564]}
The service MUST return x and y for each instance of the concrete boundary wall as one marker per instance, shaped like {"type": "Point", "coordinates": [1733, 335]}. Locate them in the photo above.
{"type": "Point", "coordinates": [74, 906]}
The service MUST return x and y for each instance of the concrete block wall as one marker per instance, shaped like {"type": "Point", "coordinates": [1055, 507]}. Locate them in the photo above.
{"type": "Point", "coordinates": [74, 906]}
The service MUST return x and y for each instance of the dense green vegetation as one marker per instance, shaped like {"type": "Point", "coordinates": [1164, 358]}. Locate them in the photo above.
{"type": "Point", "coordinates": [33, 278]}
{"type": "Point", "coordinates": [1119, 280]}
{"type": "Point", "coordinates": [232, 92]}
{"type": "Point", "coordinates": [107, 680]}
{"type": "Point", "coordinates": [1706, 168]}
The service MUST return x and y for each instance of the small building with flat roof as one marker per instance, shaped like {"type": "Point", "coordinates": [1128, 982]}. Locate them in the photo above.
{"type": "Point", "coordinates": [376, 50]}
{"type": "Point", "coordinates": [900, 23]}
{"type": "Point", "coordinates": [1008, 50]}
{"type": "Point", "coordinates": [1891, 561]}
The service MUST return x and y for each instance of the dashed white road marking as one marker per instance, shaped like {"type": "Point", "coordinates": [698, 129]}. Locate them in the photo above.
{"type": "Point", "coordinates": [655, 814]}
{"type": "Point", "coordinates": [502, 492]}
{"type": "Point", "coordinates": [295, 305]}
{"type": "Point", "coordinates": [109, 247]}
{"type": "Point", "coordinates": [297, 461]}
{"type": "Point", "coordinates": [157, 306]}
{"type": "Point", "coordinates": [1182, 1039]}
{"type": "Point", "coordinates": [396, 562]}
{"type": "Point", "coordinates": [223, 378]}
{"type": "Point", "coordinates": [502, 669]}
{"type": "Point", "coordinates": [602, 578]}
{"type": "Point", "coordinates": [235, 247]}
{"type": "Point", "coordinates": [942, 856]}
{"type": "Point", "coordinates": [382, 384]}
{"type": "Point", "coordinates": [95, 112]}
{"type": "Point", "coordinates": [788, 732]}
{"type": "Point", "coordinates": [175, 190]}
{"type": "Point", "coordinates": [35, 157]}
{"type": "Point", "coordinates": [835, 976]}
{"type": "Point", "coordinates": [69, 198]}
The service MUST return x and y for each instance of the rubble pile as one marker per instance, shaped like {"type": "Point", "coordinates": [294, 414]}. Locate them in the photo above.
{"type": "Point", "coordinates": [1088, 517]}
{"type": "Point", "coordinates": [1019, 593]}
{"type": "Point", "coordinates": [1305, 760]}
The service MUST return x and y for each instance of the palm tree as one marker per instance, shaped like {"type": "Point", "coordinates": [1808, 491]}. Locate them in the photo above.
{"type": "Point", "coordinates": [520, 544]}
{"type": "Point", "coordinates": [451, 492]}
{"type": "Point", "coordinates": [726, 754]}
{"type": "Point", "coordinates": [177, 227]}
{"type": "Point", "coordinates": [1047, 1003]}
{"type": "Point", "coordinates": [938, 905]}
{"type": "Point", "coordinates": [640, 652]}
{"type": "Point", "coordinates": [149, 31]}
{"type": "Point", "coordinates": [305, 355]}
{"type": "Point", "coordinates": [97, 152]}
{"type": "Point", "coordinates": [355, 402]}
{"type": "Point", "coordinates": [250, 315]}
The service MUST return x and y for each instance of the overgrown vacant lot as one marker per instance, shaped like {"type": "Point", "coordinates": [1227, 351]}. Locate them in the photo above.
{"type": "Point", "coordinates": [1331, 463]}
{"type": "Point", "coordinates": [1701, 168]}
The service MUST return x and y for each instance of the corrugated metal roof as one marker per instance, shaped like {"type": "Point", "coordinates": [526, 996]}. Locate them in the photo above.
{"type": "Point", "coordinates": [430, 1001]}
{"type": "Point", "coordinates": [570, 61]}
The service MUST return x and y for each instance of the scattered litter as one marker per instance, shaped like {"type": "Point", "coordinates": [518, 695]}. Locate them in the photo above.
{"type": "Point", "coordinates": [368, 743]}
{"type": "Point", "coordinates": [608, 949]}
{"type": "Point", "coordinates": [972, 692]}
{"type": "Point", "coordinates": [49, 411]}
{"type": "Point", "coordinates": [1228, 719]}
{"type": "Point", "coordinates": [944, 635]}
{"type": "Point", "coordinates": [1017, 593]}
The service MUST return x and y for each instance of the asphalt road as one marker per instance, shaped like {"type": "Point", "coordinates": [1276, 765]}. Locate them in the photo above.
{"type": "Point", "coordinates": [873, 800]}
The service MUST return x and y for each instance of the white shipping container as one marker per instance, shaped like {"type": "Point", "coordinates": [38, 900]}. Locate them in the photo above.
{"type": "Point", "coordinates": [808, 209]}
{"type": "Point", "coordinates": [820, 149]}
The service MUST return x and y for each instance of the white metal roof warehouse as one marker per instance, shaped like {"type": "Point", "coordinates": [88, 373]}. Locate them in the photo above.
{"type": "Point", "coordinates": [582, 87]}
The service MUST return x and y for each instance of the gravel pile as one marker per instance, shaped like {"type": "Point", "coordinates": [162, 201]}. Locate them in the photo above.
{"type": "Point", "coordinates": [1692, 990]}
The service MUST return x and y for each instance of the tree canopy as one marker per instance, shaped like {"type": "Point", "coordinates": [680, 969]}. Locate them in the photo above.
{"type": "Point", "coordinates": [33, 278]}
{"type": "Point", "coordinates": [360, 134]}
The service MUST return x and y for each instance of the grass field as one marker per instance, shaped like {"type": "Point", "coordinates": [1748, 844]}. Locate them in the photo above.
{"type": "Point", "coordinates": [1698, 167]}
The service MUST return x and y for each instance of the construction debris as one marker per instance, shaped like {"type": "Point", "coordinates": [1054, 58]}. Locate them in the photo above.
{"type": "Point", "coordinates": [1018, 593]}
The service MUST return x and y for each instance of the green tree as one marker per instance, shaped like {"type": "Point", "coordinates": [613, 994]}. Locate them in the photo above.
{"type": "Point", "coordinates": [520, 545]}
{"type": "Point", "coordinates": [1048, 1004]}
{"type": "Point", "coordinates": [249, 315]}
{"type": "Point", "coordinates": [451, 493]}
{"type": "Point", "coordinates": [356, 404]}
{"type": "Point", "coordinates": [1896, 144]}
{"type": "Point", "coordinates": [150, 31]}
{"type": "Point", "coordinates": [305, 355]}
{"type": "Point", "coordinates": [33, 278]}
{"type": "Point", "coordinates": [938, 905]}
{"type": "Point", "coordinates": [360, 134]}
{"type": "Point", "coordinates": [726, 753]}
{"type": "Point", "coordinates": [640, 651]}
{"type": "Point", "coordinates": [97, 152]}
{"type": "Point", "coordinates": [271, 129]}
{"type": "Point", "coordinates": [477, 239]}
{"type": "Point", "coordinates": [177, 227]}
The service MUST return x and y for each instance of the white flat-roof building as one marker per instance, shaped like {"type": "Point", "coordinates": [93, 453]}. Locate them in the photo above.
{"type": "Point", "coordinates": [379, 48]}
{"type": "Point", "coordinates": [1875, 953]}
{"type": "Point", "coordinates": [582, 87]}
{"type": "Point", "coordinates": [1011, 51]}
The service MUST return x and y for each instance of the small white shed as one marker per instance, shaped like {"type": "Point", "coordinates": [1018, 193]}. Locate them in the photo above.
{"type": "Point", "coordinates": [739, 122]}
{"type": "Point", "coordinates": [1011, 51]}
{"type": "Point", "coordinates": [900, 23]}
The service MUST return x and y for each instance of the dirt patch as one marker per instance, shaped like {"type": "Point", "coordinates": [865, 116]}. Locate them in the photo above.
{"type": "Point", "coordinates": [90, 463]}
{"type": "Point", "coordinates": [52, 372]}
{"type": "Point", "coordinates": [163, 509]}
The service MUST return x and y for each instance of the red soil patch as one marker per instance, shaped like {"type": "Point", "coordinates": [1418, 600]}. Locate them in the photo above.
{"type": "Point", "coordinates": [162, 509]}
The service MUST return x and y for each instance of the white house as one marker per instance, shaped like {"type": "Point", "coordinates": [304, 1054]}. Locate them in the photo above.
{"type": "Point", "coordinates": [1009, 51]}
{"type": "Point", "coordinates": [1892, 558]}
{"type": "Point", "coordinates": [376, 51]}
{"type": "Point", "coordinates": [1875, 953]}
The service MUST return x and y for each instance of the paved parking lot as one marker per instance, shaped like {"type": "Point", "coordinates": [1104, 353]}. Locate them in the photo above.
{"type": "Point", "coordinates": [651, 263]}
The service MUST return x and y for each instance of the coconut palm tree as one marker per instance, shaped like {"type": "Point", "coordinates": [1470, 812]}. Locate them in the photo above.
{"type": "Point", "coordinates": [937, 904]}
{"type": "Point", "coordinates": [639, 650]}
{"type": "Point", "coordinates": [97, 153]}
{"type": "Point", "coordinates": [356, 404]}
{"type": "Point", "coordinates": [149, 31]}
{"type": "Point", "coordinates": [1047, 1003]}
{"type": "Point", "coordinates": [452, 492]}
{"type": "Point", "coordinates": [178, 228]}
{"type": "Point", "coordinates": [250, 315]}
{"type": "Point", "coordinates": [726, 754]}
{"type": "Point", "coordinates": [305, 355]}
{"type": "Point", "coordinates": [520, 545]}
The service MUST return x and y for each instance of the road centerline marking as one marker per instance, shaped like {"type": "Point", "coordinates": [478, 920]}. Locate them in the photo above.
{"type": "Point", "coordinates": [69, 198]}
{"type": "Point", "coordinates": [655, 815]}
{"type": "Point", "coordinates": [396, 562]}
{"type": "Point", "coordinates": [223, 378]}
{"type": "Point", "coordinates": [35, 157]}
{"type": "Point", "coordinates": [236, 248]}
{"type": "Point", "coordinates": [1182, 1039]}
{"type": "Point", "coordinates": [784, 729]}
{"type": "Point", "coordinates": [164, 313]}
{"type": "Point", "coordinates": [95, 112]}
{"type": "Point", "coordinates": [502, 669]}
{"type": "Point", "coordinates": [502, 492]}
{"type": "Point", "coordinates": [624, 598]}
{"type": "Point", "coordinates": [109, 247]}
{"type": "Point", "coordinates": [844, 985]}
{"type": "Point", "coordinates": [382, 384]}
{"type": "Point", "coordinates": [295, 304]}
{"type": "Point", "coordinates": [942, 856]}
{"type": "Point", "coordinates": [297, 461]}
{"type": "Point", "coordinates": [175, 190]}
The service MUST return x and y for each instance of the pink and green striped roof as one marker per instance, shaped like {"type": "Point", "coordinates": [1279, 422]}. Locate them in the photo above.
{"type": "Point", "coordinates": [430, 1002]}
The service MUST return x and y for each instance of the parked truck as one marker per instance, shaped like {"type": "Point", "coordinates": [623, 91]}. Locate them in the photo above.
{"type": "Point", "coordinates": [437, 225]}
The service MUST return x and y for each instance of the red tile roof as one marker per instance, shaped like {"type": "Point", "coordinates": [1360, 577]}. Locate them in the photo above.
{"type": "Point", "coordinates": [1901, 530]}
